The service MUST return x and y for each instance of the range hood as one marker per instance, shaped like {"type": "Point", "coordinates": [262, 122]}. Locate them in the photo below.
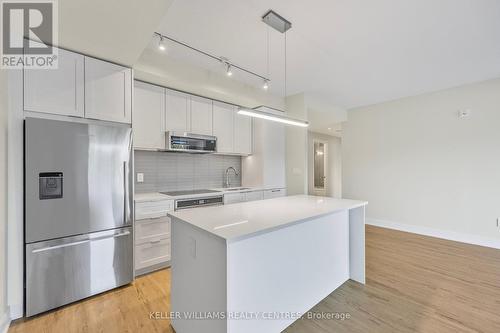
{"type": "Point", "coordinates": [190, 143]}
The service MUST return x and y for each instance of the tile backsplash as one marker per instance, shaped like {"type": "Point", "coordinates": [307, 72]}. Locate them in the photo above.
{"type": "Point", "coordinates": [177, 171]}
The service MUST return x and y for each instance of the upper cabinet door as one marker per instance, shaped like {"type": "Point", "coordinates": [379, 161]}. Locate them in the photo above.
{"type": "Point", "coordinates": [108, 91]}
{"type": "Point", "coordinates": [223, 127]}
{"type": "Point", "coordinates": [177, 112]}
{"type": "Point", "coordinates": [201, 115]}
{"type": "Point", "coordinates": [148, 116]}
{"type": "Point", "coordinates": [242, 134]}
{"type": "Point", "coordinates": [57, 91]}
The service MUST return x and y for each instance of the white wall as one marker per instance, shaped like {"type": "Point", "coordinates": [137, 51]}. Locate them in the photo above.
{"type": "Point", "coordinates": [266, 166]}
{"type": "Point", "coordinates": [296, 147]}
{"type": "Point", "coordinates": [3, 199]}
{"type": "Point", "coordinates": [15, 265]}
{"type": "Point", "coordinates": [334, 164]}
{"type": "Point", "coordinates": [419, 165]}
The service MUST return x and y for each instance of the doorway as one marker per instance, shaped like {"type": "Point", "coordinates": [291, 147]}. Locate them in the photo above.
{"type": "Point", "coordinates": [320, 167]}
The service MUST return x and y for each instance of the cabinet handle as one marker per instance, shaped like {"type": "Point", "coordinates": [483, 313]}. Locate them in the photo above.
{"type": "Point", "coordinates": [155, 241]}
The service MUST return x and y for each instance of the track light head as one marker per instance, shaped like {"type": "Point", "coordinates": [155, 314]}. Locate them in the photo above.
{"type": "Point", "coordinates": [229, 70]}
{"type": "Point", "coordinates": [161, 44]}
{"type": "Point", "coordinates": [265, 86]}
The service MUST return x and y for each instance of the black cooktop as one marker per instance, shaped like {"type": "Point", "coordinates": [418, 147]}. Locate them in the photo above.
{"type": "Point", "coordinates": [188, 192]}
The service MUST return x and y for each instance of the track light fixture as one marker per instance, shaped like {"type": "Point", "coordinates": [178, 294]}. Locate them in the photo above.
{"type": "Point", "coordinates": [161, 44]}
{"type": "Point", "coordinates": [229, 66]}
{"type": "Point", "coordinates": [265, 86]}
{"type": "Point", "coordinates": [229, 71]}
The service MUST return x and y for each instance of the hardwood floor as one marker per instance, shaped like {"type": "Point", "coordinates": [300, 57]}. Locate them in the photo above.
{"type": "Point", "coordinates": [126, 309]}
{"type": "Point", "coordinates": [414, 284]}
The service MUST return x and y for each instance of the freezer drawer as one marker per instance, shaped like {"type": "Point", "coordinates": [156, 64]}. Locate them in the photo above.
{"type": "Point", "coordinates": [65, 270]}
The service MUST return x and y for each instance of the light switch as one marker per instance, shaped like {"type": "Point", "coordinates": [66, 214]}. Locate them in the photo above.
{"type": "Point", "coordinates": [140, 177]}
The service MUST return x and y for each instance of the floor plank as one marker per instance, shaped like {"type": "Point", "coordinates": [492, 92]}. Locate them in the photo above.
{"type": "Point", "coordinates": [414, 284]}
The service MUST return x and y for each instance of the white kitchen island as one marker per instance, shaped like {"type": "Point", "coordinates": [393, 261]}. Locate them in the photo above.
{"type": "Point", "coordinates": [258, 266]}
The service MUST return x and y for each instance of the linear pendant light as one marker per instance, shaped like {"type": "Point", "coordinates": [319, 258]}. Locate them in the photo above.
{"type": "Point", "coordinates": [263, 112]}
{"type": "Point", "coordinates": [272, 117]}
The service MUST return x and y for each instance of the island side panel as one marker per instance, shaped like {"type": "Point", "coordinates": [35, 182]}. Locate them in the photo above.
{"type": "Point", "coordinates": [286, 270]}
{"type": "Point", "coordinates": [198, 278]}
{"type": "Point", "coordinates": [357, 244]}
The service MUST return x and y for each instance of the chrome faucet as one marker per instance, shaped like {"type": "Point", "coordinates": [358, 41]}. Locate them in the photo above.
{"type": "Point", "coordinates": [227, 175]}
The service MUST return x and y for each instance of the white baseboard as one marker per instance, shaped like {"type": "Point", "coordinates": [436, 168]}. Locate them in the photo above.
{"type": "Point", "coordinates": [4, 321]}
{"type": "Point", "coordinates": [438, 233]}
{"type": "Point", "coordinates": [16, 311]}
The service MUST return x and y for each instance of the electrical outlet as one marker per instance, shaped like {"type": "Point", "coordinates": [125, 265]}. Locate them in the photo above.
{"type": "Point", "coordinates": [140, 177]}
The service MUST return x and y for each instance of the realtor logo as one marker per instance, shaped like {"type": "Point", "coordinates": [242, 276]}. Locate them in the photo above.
{"type": "Point", "coordinates": [29, 29]}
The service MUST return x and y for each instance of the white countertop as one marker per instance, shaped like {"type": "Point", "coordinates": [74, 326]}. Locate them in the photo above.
{"type": "Point", "coordinates": [156, 196]}
{"type": "Point", "coordinates": [153, 196]}
{"type": "Point", "coordinates": [241, 220]}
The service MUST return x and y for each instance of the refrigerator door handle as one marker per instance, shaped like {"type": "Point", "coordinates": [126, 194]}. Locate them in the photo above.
{"type": "Point", "coordinates": [43, 249]}
{"type": "Point", "coordinates": [48, 248]}
{"type": "Point", "coordinates": [125, 193]}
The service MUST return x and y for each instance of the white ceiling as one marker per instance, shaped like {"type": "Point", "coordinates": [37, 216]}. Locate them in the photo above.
{"type": "Point", "coordinates": [115, 30]}
{"type": "Point", "coordinates": [352, 52]}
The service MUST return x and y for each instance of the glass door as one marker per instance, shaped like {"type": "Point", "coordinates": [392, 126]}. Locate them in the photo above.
{"type": "Point", "coordinates": [320, 167]}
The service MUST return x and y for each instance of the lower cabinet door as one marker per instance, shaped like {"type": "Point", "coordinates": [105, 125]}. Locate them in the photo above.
{"type": "Point", "coordinates": [275, 193]}
{"type": "Point", "coordinates": [151, 229]}
{"type": "Point", "coordinates": [152, 253]}
{"type": "Point", "coordinates": [66, 270]}
{"type": "Point", "coordinates": [253, 196]}
{"type": "Point", "coordinates": [233, 198]}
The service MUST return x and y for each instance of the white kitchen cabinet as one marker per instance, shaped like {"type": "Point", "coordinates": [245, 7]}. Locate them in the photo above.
{"type": "Point", "coordinates": [108, 91]}
{"type": "Point", "coordinates": [242, 134]}
{"type": "Point", "coordinates": [152, 254]}
{"type": "Point", "coordinates": [152, 230]}
{"type": "Point", "coordinates": [266, 166]}
{"type": "Point", "coordinates": [178, 115]}
{"type": "Point", "coordinates": [230, 198]}
{"type": "Point", "coordinates": [223, 128]}
{"type": "Point", "coordinates": [152, 235]}
{"type": "Point", "coordinates": [57, 91]}
{"type": "Point", "coordinates": [274, 193]}
{"type": "Point", "coordinates": [201, 115]}
{"type": "Point", "coordinates": [148, 116]}
{"type": "Point", "coordinates": [153, 209]}
{"type": "Point", "coordinates": [254, 196]}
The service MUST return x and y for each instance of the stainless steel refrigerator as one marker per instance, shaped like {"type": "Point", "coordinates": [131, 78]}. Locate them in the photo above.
{"type": "Point", "coordinates": [78, 211]}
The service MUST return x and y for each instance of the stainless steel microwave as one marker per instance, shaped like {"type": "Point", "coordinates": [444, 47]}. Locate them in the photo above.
{"type": "Point", "coordinates": [191, 143]}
